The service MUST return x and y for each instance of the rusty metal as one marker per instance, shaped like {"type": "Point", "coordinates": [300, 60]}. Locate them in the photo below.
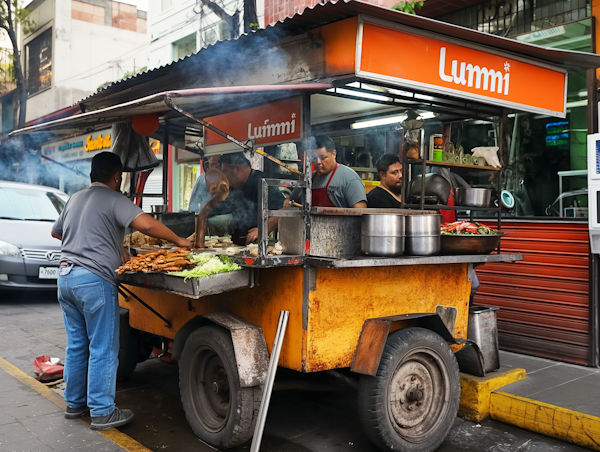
{"type": "Point", "coordinates": [147, 306]}
{"type": "Point", "coordinates": [370, 346]}
{"type": "Point", "coordinates": [249, 346]}
{"type": "Point", "coordinates": [409, 260]}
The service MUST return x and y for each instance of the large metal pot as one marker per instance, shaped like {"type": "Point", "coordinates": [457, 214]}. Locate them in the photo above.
{"type": "Point", "coordinates": [382, 246]}
{"type": "Point", "coordinates": [423, 234]}
{"type": "Point", "coordinates": [470, 244]}
{"type": "Point", "coordinates": [435, 185]}
{"type": "Point", "coordinates": [473, 197]}
{"type": "Point", "coordinates": [382, 225]}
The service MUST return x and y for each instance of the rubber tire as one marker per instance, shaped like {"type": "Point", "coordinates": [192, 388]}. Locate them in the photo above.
{"type": "Point", "coordinates": [373, 392]}
{"type": "Point", "coordinates": [243, 402]}
{"type": "Point", "coordinates": [129, 347]}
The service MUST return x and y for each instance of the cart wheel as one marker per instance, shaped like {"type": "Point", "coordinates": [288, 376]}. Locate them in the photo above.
{"type": "Point", "coordinates": [220, 412]}
{"type": "Point", "coordinates": [130, 345]}
{"type": "Point", "coordinates": [411, 404]}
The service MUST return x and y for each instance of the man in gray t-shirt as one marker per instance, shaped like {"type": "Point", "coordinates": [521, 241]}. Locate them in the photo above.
{"type": "Point", "coordinates": [91, 227]}
{"type": "Point", "coordinates": [333, 185]}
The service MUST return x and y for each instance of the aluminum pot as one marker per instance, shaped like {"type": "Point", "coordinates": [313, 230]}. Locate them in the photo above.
{"type": "Point", "coordinates": [423, 225]}
{"type": "Point", "coordinates": [473, 197]}
{"type": "Point", "coordinates": [382, 246]}
{"type": "Point", "coordinates": [382, 225]}
{"type": "Point", "coordinates": [424, 245]}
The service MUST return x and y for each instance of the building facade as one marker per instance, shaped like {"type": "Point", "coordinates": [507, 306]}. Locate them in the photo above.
{"type": "Point", "coordinates": [78, 46]}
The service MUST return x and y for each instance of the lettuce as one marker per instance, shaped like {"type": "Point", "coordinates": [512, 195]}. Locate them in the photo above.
{"type": "Point", "coordinates": [207, 265]}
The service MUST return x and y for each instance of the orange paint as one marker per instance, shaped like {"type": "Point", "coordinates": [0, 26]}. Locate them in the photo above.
{"type": "Point", "coordinates": [271, 123]}
{"type": "Point", "coordinates": [460, 70]}
{"type": "Point", "coordinates": [339, 40]}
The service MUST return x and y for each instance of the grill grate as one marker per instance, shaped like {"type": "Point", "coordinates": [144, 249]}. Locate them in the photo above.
{"type": "Point", "coordinates": [43, 255]}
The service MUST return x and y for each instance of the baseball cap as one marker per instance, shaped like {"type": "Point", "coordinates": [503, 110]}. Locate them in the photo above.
{"type": "Point", "coordinates": [236, 158]}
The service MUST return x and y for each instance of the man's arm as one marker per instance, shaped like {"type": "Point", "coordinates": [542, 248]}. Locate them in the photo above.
{"type": "Point", "coordinates": [360, 205]}
{"type": "Point", "coordinates": [154, 228]}
{"type": "Point", "coordinates": [55, 235]}
{"type": "Point", "coordinates": [252, 235]}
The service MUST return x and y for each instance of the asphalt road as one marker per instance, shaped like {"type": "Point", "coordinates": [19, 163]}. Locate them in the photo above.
{"type": "Point", "coordinates": [314, 412]}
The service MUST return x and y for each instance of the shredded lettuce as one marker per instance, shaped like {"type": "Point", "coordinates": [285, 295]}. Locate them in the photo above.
{"type": "Point", "coordinates": [207, 265]}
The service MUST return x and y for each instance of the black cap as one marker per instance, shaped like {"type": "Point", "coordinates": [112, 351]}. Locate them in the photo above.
{"type": "Point", "coordinates": [237, 158]}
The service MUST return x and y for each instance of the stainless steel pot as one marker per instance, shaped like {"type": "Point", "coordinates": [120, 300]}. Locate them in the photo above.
{"type": "Point", "coordinates": [423, 225]}
{"type": "Point", "coordinates": [473, 197]}
{"type": "Point", "coordinates": [382, 246]}
{"type": "Point", "coordinates": [382, 225]}
{"type": "Point", "coordinates": [425, 245]}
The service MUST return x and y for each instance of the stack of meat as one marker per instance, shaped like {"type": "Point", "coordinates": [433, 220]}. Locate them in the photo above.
{"type": "Point", "coordinates": [159, 261]}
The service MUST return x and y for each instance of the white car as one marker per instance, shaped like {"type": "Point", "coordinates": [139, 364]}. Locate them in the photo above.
{"type": "Point", "coordinates": [29, 255]}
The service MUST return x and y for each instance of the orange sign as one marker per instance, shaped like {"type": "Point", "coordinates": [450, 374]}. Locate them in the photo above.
{"type": "Point", "coordinates": [267, 124]}
{"type": "Point", "coordinates": [432, 65]}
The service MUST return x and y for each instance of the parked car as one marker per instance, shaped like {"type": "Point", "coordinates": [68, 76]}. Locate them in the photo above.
{"type": "Point", "coordinates": [29, 255]}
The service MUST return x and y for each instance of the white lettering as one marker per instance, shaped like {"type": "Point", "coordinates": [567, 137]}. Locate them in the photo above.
{"type": "Point", "coordinates": [271, 130]}
{"type": "Point", "coordinates": [443, 76]}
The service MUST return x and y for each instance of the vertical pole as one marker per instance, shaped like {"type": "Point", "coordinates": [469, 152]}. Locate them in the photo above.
{"type": "Point", "coordinates": [273, 362]}
{"type": "Point", "coordinates": [306, 134]}
{"type": "Point", "coordinates": [263, 221]}
{"type": "Point", "coordinates": [165, 181]}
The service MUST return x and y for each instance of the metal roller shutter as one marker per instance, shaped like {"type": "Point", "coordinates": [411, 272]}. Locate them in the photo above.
{"type": "Point", "coordinates": [544, 300]}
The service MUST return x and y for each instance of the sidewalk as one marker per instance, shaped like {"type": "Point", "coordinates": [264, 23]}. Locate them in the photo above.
{"type": "Point", "coordinates": [32, 422]}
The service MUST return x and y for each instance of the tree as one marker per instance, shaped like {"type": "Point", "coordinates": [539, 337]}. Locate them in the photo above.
{"type": "Point", "coordinates": [409, 6]}
{"type": "Point", "coordinates": [232, 20]}
{"type": "Point", "coordinates": [12, 16]}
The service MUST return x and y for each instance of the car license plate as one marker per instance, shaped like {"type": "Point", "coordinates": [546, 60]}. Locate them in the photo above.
{"type": "Point", "coordinates": [48, 273]}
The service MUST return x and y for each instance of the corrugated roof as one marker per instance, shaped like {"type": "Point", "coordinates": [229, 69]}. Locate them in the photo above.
{"type": "Point", "coordinates": [179, 74]}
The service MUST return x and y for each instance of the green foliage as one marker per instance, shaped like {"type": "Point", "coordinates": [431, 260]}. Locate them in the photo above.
{"type": "Point", "coordinates": [409, 6]}
{"type": "Point", "coordinates": [254, 26]}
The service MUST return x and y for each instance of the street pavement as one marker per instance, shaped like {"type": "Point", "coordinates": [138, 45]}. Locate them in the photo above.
{"type": "Point", "coordinates": [314, 412]}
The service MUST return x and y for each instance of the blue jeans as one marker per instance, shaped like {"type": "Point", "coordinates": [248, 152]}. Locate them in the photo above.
{"type": "Point", "coordinates": [91, 313]}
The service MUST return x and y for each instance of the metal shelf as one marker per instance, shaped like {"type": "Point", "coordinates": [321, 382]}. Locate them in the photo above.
{"type": "Point", "coordinates": [442, 207]}
{"type": "Point", "coordinates": [451, 165]}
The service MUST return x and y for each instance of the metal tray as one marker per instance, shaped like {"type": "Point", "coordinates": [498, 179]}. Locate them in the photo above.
{"type": "Point", "coordinates": [470, 244]}
{"type": "Point", "coordinates": [193, 287]}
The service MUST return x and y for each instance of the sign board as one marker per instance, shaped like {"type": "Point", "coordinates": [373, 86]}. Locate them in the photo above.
{"type": "Point", "coordinates": [268, 124]}
{"type": "Point", "coordinates": [78, 148]}
{"type": "Point", "coordinates": [391, 55]}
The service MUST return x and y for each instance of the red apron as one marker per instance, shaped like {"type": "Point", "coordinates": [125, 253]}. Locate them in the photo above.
{"type": "Point", "coordinates": [449, 216]}
{"type": "Point", "coordinates": [320, 198]}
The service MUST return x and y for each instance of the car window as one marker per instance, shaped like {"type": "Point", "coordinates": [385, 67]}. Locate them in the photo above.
{"type": "Point", "coordinates": [26, 204]}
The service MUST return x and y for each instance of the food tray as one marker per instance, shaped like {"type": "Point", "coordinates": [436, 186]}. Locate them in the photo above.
{"type": "Point", "coordinates": [193, 287]}
{"type": "Point", "coordinates": [453, 244]}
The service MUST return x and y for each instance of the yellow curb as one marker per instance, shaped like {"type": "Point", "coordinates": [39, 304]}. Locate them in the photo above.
{"type": "Point", "coordinates": [567, 425]}
{"type": "Point", "coordinates": [476, 391]}
{"type": "Point", "coordinates": [121, 439]}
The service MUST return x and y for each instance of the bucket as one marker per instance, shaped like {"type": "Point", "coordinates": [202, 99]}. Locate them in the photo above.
{"type": "Point", "coordinates": [483, 330]}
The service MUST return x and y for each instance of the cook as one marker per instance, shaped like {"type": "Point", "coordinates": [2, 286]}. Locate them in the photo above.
{"type": "Point", "coordinates": [387, 194]}
{"type": "Point", "coordinates": [91, 227]}
{"type": "Point", "coordinates": [243, 177]}
{"type": "Point", "coordinates": [333, 185]}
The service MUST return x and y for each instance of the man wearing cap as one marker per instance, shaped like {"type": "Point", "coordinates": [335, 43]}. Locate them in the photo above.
{"type": "Point", "coordinates": [333, 185]}
{"type": "Point", "coordinates": [241, 176]}
{"type": "Point", "coordinates": [91, 228]}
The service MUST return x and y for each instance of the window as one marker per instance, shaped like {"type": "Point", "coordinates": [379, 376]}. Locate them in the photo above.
{"type": "Point", "coordinates": [184, 47]}
{"type": "Point", "coordinates": [39, 63]}
{"type": "Point", "coordinates": [27, 204]}
{"type": "Point", "coordinates": [165, 4]}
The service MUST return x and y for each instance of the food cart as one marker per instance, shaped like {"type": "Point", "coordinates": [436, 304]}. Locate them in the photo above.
{"type": "Point", "coordinates": [395, 321]}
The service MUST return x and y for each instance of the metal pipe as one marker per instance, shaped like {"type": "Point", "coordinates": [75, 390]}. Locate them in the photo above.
{"type": "Point", "coordinates": [273, 362]}
{"type": "Point", "coordinates": [165, 181]}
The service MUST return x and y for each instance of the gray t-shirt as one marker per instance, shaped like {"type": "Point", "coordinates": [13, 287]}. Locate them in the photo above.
{"type": "Point", "coordinates": [345, 188]}
{"type": "Point", "coordinates": [92, 226]}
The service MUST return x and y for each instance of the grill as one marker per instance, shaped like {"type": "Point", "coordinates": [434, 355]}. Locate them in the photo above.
{"type": "Point", "coordinates": [42, 255]}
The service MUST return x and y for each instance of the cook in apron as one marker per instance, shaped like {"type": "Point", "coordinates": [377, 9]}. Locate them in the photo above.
{"type": "Point", "coordinates": [320, 198]}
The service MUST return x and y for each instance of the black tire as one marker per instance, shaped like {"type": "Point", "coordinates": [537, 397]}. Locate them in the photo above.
{"type": "Point", "coordinates": [412, 402]}
{"type": "Point", "coordinates": [220, 412]}
{"type": "Point", "coordinates": [129, 347]}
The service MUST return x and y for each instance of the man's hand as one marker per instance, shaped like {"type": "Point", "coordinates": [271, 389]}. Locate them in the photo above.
{"type": "Point", "coordinates": [125, 256]}
{"type": "Point", "coordinates": [183, 243]}
{"type": "Point", "coordinates": [252, 235]}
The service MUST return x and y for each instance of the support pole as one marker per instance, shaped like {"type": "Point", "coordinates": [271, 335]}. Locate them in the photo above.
{"type": "Point", "coordinates": [273, 362]}
{"type": "Point", "coordinates": [165, 181]}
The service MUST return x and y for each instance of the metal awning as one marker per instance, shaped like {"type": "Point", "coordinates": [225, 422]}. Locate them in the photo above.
{"type": "Point", "coordinates": [203, 102]}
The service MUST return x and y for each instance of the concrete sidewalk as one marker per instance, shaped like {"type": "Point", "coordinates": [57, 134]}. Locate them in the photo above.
{"type": "Point", "coordinates": [31, 420]}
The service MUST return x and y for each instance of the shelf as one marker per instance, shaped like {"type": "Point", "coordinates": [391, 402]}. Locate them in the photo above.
{"type": "Point", "coordinates": [442, 207]}
{"type": "Point", "coordinates": [451, 165]}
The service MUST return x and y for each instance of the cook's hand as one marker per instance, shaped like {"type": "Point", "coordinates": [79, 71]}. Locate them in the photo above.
{"type": "Point", "coordinates": [252, 235]}
{"type": "Point", "coordinates": [183, 243]}
{"type": "Point", "coordinates": [287, 202]}
{"type": "Point", "coordinates": [125, 256]}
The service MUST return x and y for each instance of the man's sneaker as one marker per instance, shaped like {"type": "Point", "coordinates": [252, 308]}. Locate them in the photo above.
{"type": "Point", "coordinates": [76, 413]}
{"type": "Point", "coordinates": [115, 419]}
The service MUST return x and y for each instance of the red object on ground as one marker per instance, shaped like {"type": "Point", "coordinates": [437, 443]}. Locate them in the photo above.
{"type": "Point", "coordinates": [145, 124]}
{"type": "Point", "coordinates": [45, 371]}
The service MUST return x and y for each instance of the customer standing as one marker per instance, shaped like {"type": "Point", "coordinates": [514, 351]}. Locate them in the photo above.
{"type": "Point", "coordinates": [92, 227]}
